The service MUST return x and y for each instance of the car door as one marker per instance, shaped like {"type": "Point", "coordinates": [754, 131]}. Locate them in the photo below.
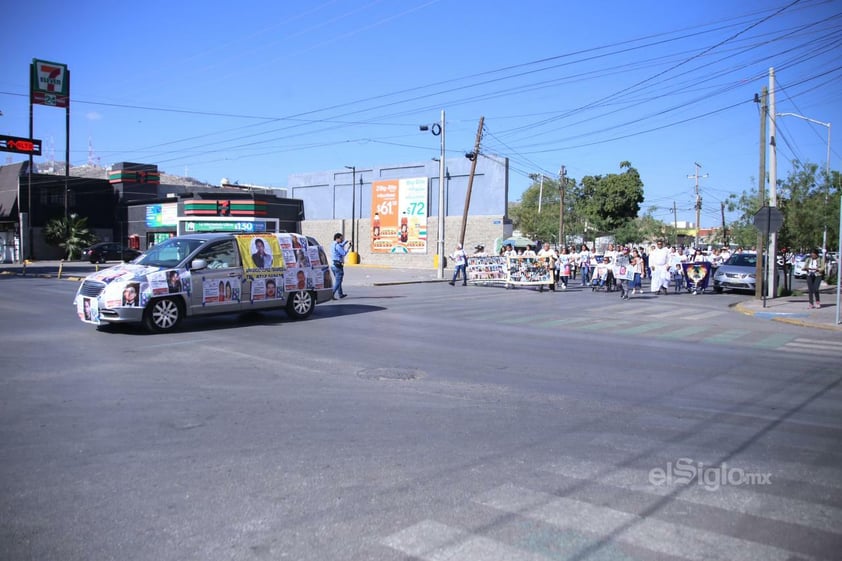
{"type": "Point", "coordinates": [218, 287]}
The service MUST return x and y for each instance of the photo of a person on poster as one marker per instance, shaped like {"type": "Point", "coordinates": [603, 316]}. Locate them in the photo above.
{"type": "Point", "coordinates": [271, 289]}
{"type": "Point", "coordinates": [173, 282]}
{"type": "Point", "coordinates": [260, 257]}
{"type": "Point", "coordinates": [130, 294]}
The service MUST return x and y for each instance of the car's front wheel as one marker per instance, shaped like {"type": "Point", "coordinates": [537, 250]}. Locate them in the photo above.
{"type": "Point", "coordinates": [163, 315]}
{"type": "Point", "coordinates": [300, 304]}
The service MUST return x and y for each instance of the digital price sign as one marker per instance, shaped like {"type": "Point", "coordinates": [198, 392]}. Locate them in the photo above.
{"type": "Point", "coordinates": [31, 146]}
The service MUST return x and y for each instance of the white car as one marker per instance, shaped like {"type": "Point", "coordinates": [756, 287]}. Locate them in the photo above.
{"type": "Point", "coordinates": [205, 274]}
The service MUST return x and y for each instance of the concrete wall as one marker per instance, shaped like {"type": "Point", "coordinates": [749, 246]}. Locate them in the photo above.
{"type": "Point", "coordinates": [480, 230]}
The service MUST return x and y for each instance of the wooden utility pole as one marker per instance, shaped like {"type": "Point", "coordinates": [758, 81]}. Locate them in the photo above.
{"type": "Point", "coordinates": [674, 224]}
{"type": "Point", "coordinates": [562, 185]}
{"type": "Point", "coordinates": [724, 229]}
{"type": "Point", "coordinates": [474, 156]}
{"type": "Point", "coordinates": [761, 191]}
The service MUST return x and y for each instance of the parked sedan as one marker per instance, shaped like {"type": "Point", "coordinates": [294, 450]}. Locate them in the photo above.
{"type": "Point", "coordinates": [738, 273]}
{"type": "Point", "coordinates": [109, 251]}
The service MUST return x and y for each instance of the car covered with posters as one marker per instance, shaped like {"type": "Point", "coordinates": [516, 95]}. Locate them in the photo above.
{"type": "Point", "coordinates": [194, 275]}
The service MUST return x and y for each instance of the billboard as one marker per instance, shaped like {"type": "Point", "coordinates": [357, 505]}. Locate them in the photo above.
{"type": "Point", "coordinates": [399, 211]}
{"type": "Point", "coordinates": [50, 83]}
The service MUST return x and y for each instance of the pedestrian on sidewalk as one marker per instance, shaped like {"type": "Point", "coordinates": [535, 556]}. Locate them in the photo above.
{"type": "Point", "coordinates": [815, 271]}
{"type": "Point", "coordinates": [460, 260]}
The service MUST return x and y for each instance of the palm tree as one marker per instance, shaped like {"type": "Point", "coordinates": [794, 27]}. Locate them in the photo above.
{"type": "Point", "coordinates": [71, 234]}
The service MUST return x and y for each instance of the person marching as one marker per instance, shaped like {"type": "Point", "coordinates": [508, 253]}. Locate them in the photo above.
{"type": "Point", "coordinates": [550, 257]}
{"type": "Point", "coordinates": [460, 259]}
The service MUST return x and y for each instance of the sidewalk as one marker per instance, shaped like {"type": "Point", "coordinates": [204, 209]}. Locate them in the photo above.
{"type": "Point", "coordinates": [788, 309]}
{"type": "Point", "coordinates": [794, 310]}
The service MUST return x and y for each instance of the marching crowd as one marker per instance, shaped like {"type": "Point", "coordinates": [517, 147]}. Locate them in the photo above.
{"type": "Point", "coordinates": [662, 264]}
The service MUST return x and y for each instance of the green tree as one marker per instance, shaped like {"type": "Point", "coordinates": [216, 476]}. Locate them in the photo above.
{"type": "Point", "coordinates": [608, 202]}
{"type": "Point", "coordinates": [541, 225]}
{"type": "Point", "coordinates": [71, 234]}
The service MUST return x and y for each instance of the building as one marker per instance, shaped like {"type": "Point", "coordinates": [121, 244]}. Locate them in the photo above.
{"type": "Point", "coordinates": [375, 206]}
{"type": "Point", "coordinates": [131, 205]}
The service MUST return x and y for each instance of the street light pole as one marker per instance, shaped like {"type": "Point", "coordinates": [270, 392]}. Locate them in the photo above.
{"type": "Point", "coordinates": [441, 219]}
{"type": "Point", "coordinates": [826, 171]}
{"type": "Point", "coordinates": [353, 204]}
{"type": "Point", "coordinates": [442, 200]}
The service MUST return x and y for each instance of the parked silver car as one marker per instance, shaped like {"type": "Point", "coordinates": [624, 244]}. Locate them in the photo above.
{"type": "Point", "coordinates": [738, 273]}
{"type": "Point", "coordinates": [205, 274]}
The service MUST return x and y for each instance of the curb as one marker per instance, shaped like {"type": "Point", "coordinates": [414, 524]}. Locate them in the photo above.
{"type": "Point", "coordinates": [788, 320]}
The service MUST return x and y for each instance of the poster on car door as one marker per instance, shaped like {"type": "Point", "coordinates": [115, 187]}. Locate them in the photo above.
{"type": "Point", "coordinates": [266, 289]}
{"type": "Point", "coordinates": [220, 291]}
{"type": "Point", "coordinates": [399, 215]}
{"type": "Point", "coordinates": [261, 254]}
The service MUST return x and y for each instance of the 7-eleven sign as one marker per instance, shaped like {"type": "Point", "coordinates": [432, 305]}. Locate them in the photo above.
{"type": "Point", "coordinates": [50, 83]}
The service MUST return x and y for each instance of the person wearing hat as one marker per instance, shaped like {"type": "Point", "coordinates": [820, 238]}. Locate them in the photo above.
{"type": "Point", "coordinates": [460, 260]}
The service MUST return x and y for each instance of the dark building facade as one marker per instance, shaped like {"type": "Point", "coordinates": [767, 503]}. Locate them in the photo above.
{"type": "Point", "coordinates": [131, 206]}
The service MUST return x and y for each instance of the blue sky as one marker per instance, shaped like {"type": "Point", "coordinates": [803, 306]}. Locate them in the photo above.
{"type": "Point", "coordinates": [255, 91]}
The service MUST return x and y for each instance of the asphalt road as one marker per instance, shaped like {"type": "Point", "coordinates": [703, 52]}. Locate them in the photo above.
{"type": "Point", "coordinates": [420, 422]}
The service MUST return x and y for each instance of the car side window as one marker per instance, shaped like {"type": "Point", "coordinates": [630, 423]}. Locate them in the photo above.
{"type": "Point", "coordinates": [220, 255]}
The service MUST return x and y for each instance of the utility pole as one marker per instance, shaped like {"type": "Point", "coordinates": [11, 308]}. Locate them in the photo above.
{"type": "Point", "coordinates": [473, 156]}
{"type": "Point", "coordinates": [762, 99]}
{"type": "Point", "coordinates": [698, 201]}
{"type": "Point", "coordinates": [674, 224]}
{"type": "Point", "coordinates": [724, 229]}
{"type": "Point", "coordinates": [562, 185]}
{"type": "Point", "coordinates": [772, 253]}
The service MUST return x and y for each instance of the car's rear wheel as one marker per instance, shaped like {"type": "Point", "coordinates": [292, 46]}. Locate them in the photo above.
{"type": "Point", "coordinates": [163, 315]}
{"type": "Point", "coordinates": [300, 304]}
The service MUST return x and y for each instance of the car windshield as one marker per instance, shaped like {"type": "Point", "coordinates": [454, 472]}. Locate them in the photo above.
{"type": "Point", "coordinates": [743, 260]}
{"type": "Point", "coordinates": [169, 253]}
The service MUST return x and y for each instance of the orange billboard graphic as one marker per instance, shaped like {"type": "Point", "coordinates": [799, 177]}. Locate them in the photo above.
{"type": "Point", "coordinates": [399, 215]}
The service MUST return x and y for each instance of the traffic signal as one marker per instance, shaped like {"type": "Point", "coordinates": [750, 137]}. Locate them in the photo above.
{"type": "Point", "coordinates": [223, 208]}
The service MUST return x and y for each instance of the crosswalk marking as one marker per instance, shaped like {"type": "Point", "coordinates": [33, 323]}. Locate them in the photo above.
{"type": "Point", "coordinates": [741, 499]}
{"type": "Point", "coordinates": [815, 347]}
{"type": "Point", "coordinates": [684, 332]}
{"type": "Point", "coordinates": [729, 336]}
{"type": "Point", "coordinates": [613, 525]}
{"type": "Point", "coordinates": [644, 328]}
{"type": "Point", "coordinates": [433, 541]}
{"type": "Point", "coordinates": [774, 341]}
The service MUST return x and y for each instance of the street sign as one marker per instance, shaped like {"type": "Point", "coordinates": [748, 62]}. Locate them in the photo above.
{"type": "Point", "coordinates": [769, 219]}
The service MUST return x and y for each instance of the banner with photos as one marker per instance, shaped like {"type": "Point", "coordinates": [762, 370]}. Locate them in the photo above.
{"type": "Point", "coordinates": [697, 275]}
{"type": "Point", "coordinates": [511, 271]}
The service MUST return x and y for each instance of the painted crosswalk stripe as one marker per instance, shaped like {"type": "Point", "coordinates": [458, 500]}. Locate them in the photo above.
{"type": "Point", "coordinates": [563, 322]}
{"type": "Point", "coordinates": [837, 344]}
{"type": "Point", "coordinates": [607, 325]}
{"type": "Point", "coordinates": [684, 332]}
{"type": "Point", "coordinates": [613, 525]}
{"type": "Point", "coordinates": [813, 348]}
{"type": "Point", "coordinates": [774, 341]}
{"type": "Point", "coordinates": [644, 328]}
{"type": "Point", "coordinates": [744, 499]}
{"type": "Point", "coordinates": [433, 541]}
{"type": "Point", "coordinates": [730, 336]}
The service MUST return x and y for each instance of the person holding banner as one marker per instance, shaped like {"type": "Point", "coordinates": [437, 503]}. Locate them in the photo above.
{"type": "Point", "coordinates": [460, 260]}
{"type": "Point", "coordinates": [623, 272]}
{"type": "Point", "coordinates": [550, 256]}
